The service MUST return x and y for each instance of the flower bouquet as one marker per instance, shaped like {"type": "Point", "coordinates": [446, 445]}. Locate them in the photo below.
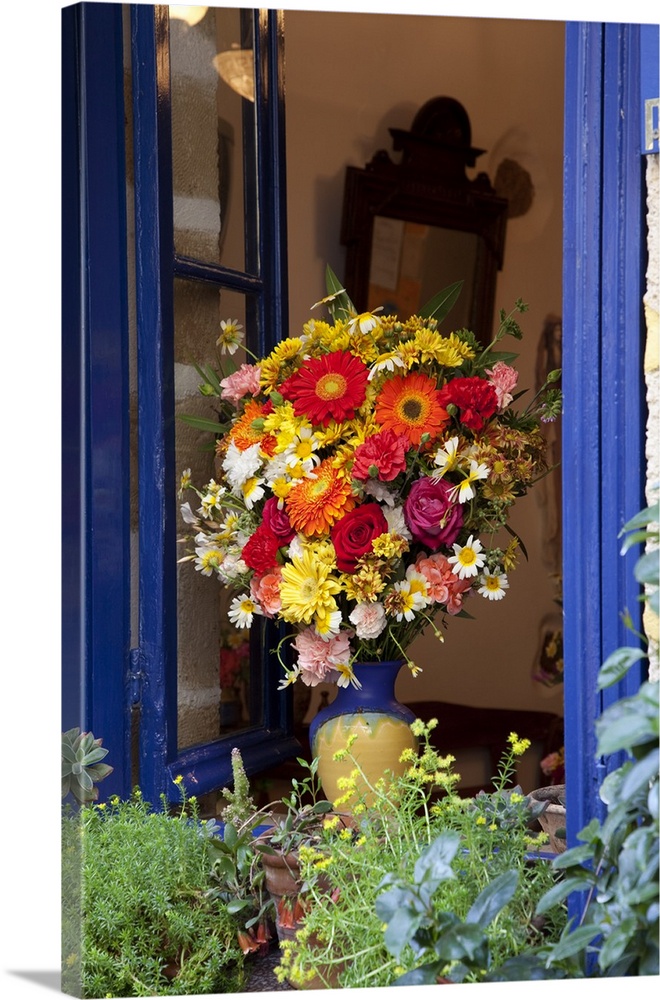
{"type": "Point", "coordinates": [365, 470]}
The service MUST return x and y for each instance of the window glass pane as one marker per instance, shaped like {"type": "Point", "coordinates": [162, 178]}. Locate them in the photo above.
{"type": "Point", "coordinates": [212, 77]}
{"type": "Point", "coordinates": [216, 692]}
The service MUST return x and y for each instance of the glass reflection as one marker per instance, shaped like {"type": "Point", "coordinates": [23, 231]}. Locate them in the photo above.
{"type": "Point", "coordinates": [214, 680]}
{"type": "Point", "coordinates": [212, 78]}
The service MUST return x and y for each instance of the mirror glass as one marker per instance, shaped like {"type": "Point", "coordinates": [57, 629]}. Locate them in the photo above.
{"type": "Point", "coordinates": [418, 223]}
{"type": "Point", "coordinates": [411, 261]}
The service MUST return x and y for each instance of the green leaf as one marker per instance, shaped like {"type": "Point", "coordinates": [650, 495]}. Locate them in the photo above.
{"type": "Point", "coordinates": [425, 975]}
{"type": "Point", "coordinates": [615, 943]}
{"type": "Point", "coordinates": [574, 942]}
{"type": "Point", "coordinates": [561, 891]}
{"type": "Point", "coordinates": [340, 307]}
{"type": "Point", "coordinates": [648, 515]}
{"type": "Point", "coordinates": [646, 568]}
{"type": "Point", "coordinates": [617, 665]}
{"type": "Point", "coordinates": [493, 898]}
{"type": "Point", "coordinates": [202, 424]}
{"type": "Point", "coordinates": [440, 305]}
{"type": "Point", "coordinates": [435, 860]}
{"type": "Point", "coordinates": [640, 775]}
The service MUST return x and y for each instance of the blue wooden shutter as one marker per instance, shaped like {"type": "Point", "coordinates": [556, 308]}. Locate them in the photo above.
{"type": "Point", "coordinates": [95, 517]}
{"type": "Point", "coordinates": [105, 682]}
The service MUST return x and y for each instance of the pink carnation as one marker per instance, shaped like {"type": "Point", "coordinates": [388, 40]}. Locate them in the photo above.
{"type": "Point", "coordinates": [503, 379]}
{"type": "Point", "coordinates": [444, 586]}
{"type": "Point", "coordinates": [385, 450]}
{"type": "Point", "coordinates": [242, 382]}
{"type": "Point", "coordinates": [265, 590]}
{"type": "Point", "coordinates": [318, 657]}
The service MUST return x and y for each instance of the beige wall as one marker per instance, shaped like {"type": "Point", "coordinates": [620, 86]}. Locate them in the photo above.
{"type": "Point", "coordinates": [349, 78]}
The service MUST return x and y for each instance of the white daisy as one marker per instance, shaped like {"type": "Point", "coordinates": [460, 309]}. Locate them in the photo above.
{"type": "Point", "coordinates": [446, 457]}
{"type": "Point", "coordinates": [252, 491]}
{"type": "Point", "coordinates": [187, 514]}
{"type": "Point", "coordinates": [230, 337]}
{"type": "Point", "coordinates": [241, 611]}
{"type": "Point", "coordinates": [386, 363]}
{"type": "Point", "coordinates": [493, 585]}
{"type": "Point", "coordinates": [468, 559]}
{"type": "Point", "coordinates": [365, 322]}
{"type": "Point", "coordinates": [346, 676]}
{"type": "Point", "coordinates": [465, 490]}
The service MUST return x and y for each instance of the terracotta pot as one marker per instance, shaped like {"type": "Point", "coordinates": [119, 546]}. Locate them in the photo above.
{"type": "Point", "coordinates": [553, 818]}
{"type": "Point", "coordinates": [282, 874]}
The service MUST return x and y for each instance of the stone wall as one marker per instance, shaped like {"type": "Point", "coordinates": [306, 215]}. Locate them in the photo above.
{"type": "Point", "coordinates": [652, 368]}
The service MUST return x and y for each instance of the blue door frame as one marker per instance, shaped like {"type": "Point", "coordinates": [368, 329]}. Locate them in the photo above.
{"type": "Point", "coordinates": [603, 439]}
{"type": "Point", "coordinates": [603, 442]}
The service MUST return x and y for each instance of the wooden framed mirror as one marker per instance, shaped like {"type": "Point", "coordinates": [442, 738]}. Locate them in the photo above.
{"type": "Point", "coordinates": [414, 227]}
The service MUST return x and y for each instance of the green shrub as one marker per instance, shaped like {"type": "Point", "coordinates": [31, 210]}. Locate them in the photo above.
{"type": "Point", "coordinates": [137, 916]}
{"type": "Point", "coordinates": [343, 939]}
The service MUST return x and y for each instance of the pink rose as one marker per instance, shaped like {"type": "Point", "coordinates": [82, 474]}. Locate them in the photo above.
{"type": "Point", "coordinates": [432, 517]}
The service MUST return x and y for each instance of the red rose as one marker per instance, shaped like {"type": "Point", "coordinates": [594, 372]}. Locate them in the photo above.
{"type": "Point", "coordinates": [277, 521]}
{"type": "Point", "coordinates": [353, 534]}
{"type": "Point", "coordinates": [260, 551]}
{"type": "Point", "coordinates": [475, 398]}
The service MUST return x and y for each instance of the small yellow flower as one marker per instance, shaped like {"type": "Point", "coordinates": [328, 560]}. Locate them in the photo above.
{"type": "Point", "coordinates": [331, 823]}
{"type": "Point", "coordinates": [481, 821]}
{"type": "Point", "coordinates": [493, 827]}
{"type": "Point", "coordinates": [178, 780]}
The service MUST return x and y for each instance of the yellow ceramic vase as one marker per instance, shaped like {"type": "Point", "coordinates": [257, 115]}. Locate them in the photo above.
{"type": "Point", "coordinates": [379, 723]}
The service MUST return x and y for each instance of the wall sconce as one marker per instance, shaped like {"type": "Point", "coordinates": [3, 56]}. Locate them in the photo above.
{"type": "Point", "coordinates": [236, 68]}
{"type": "Point", "coordinates": [191, 15]}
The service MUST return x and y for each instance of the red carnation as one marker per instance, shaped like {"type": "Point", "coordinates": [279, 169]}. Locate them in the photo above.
{"type": "Point", "coordinates": [331, 387]}
{"type": "Point", "coordinates": [475, 399]}
{"type": "Point", "coordinates": [260, 551]}
{"type": "Point", "coordinates": [386, 450]}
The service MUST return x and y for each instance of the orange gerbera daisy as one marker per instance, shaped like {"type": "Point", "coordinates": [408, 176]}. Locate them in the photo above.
{"type": "Point", "coordinates": [408, 404]}
{"type": "Point", "coordinates": [244, 434]}
{"type": "Point", "coordinates": [331, 387]}
{"type": "Point", "coordinates": [313, 505]}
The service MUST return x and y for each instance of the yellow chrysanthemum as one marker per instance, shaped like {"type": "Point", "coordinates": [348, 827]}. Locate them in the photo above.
{"type": "Point", "coordinates": [431, 346]}
{"type": "Point", "coordinates": [389, 546]}
{"type": "Point", "coordinates": [307, 589]}
{"type": "Point", "coordinates": [277, 365]}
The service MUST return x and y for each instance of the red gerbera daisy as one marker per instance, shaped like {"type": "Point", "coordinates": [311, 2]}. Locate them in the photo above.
{"type": "Point", "coordinates": [328, 388]}
{"type": "Point", "coordinates": [410, 404]}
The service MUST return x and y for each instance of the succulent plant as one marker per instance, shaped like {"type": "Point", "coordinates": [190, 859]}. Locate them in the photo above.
{"type": "Point", "coordinates": [81, 767]}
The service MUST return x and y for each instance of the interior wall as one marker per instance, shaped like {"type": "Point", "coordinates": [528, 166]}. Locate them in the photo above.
{"type": "Point", "coordinates": [351, 77]}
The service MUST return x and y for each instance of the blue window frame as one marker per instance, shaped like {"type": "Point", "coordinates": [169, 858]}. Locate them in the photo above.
{"type": "Point", "coordinates": [110, 683]}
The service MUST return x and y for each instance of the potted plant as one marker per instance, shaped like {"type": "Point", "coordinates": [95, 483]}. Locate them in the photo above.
{"type": "Point", "coordinates": [341, 939]}
{"type": "Point", "coordinates": [138, 917]}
